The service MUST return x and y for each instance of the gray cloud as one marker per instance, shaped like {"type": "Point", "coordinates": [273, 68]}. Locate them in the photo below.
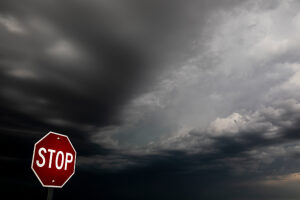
{"type": "Point", "coordinates": [241, 66]}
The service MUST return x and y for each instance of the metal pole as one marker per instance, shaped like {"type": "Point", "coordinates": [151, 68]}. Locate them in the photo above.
{"type": "Point", "coordinates": [50, 193]}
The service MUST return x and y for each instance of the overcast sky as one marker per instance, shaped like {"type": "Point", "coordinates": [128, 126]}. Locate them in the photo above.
{"type": "Point", "coordinates": [161, 99]}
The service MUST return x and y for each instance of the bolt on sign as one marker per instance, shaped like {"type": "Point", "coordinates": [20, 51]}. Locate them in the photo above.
{"type": "Point", "coordinates": [53, 160]}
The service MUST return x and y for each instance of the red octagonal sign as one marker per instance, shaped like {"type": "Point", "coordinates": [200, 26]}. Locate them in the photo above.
{"type": "Point", "coordinates": [53, 160]}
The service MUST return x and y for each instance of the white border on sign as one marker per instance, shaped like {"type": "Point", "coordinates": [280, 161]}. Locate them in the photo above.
{"type": "Point", "coordinates": [33, 159]}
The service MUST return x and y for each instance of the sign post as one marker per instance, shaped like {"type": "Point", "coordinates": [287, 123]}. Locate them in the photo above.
{"type": "Point", "coordinates": [50, 193]}
{"type": "Point", "coordinates": [53, 161]}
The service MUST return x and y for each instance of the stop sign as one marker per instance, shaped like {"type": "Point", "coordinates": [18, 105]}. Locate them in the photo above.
{"type": "Point", "coordinates": [53, 160]}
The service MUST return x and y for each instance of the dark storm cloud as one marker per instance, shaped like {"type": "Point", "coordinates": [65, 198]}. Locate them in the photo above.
{"type": "Point", "coordinates": [71, 61]}
{"type": "Point", "coordinates": [72, 65]}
